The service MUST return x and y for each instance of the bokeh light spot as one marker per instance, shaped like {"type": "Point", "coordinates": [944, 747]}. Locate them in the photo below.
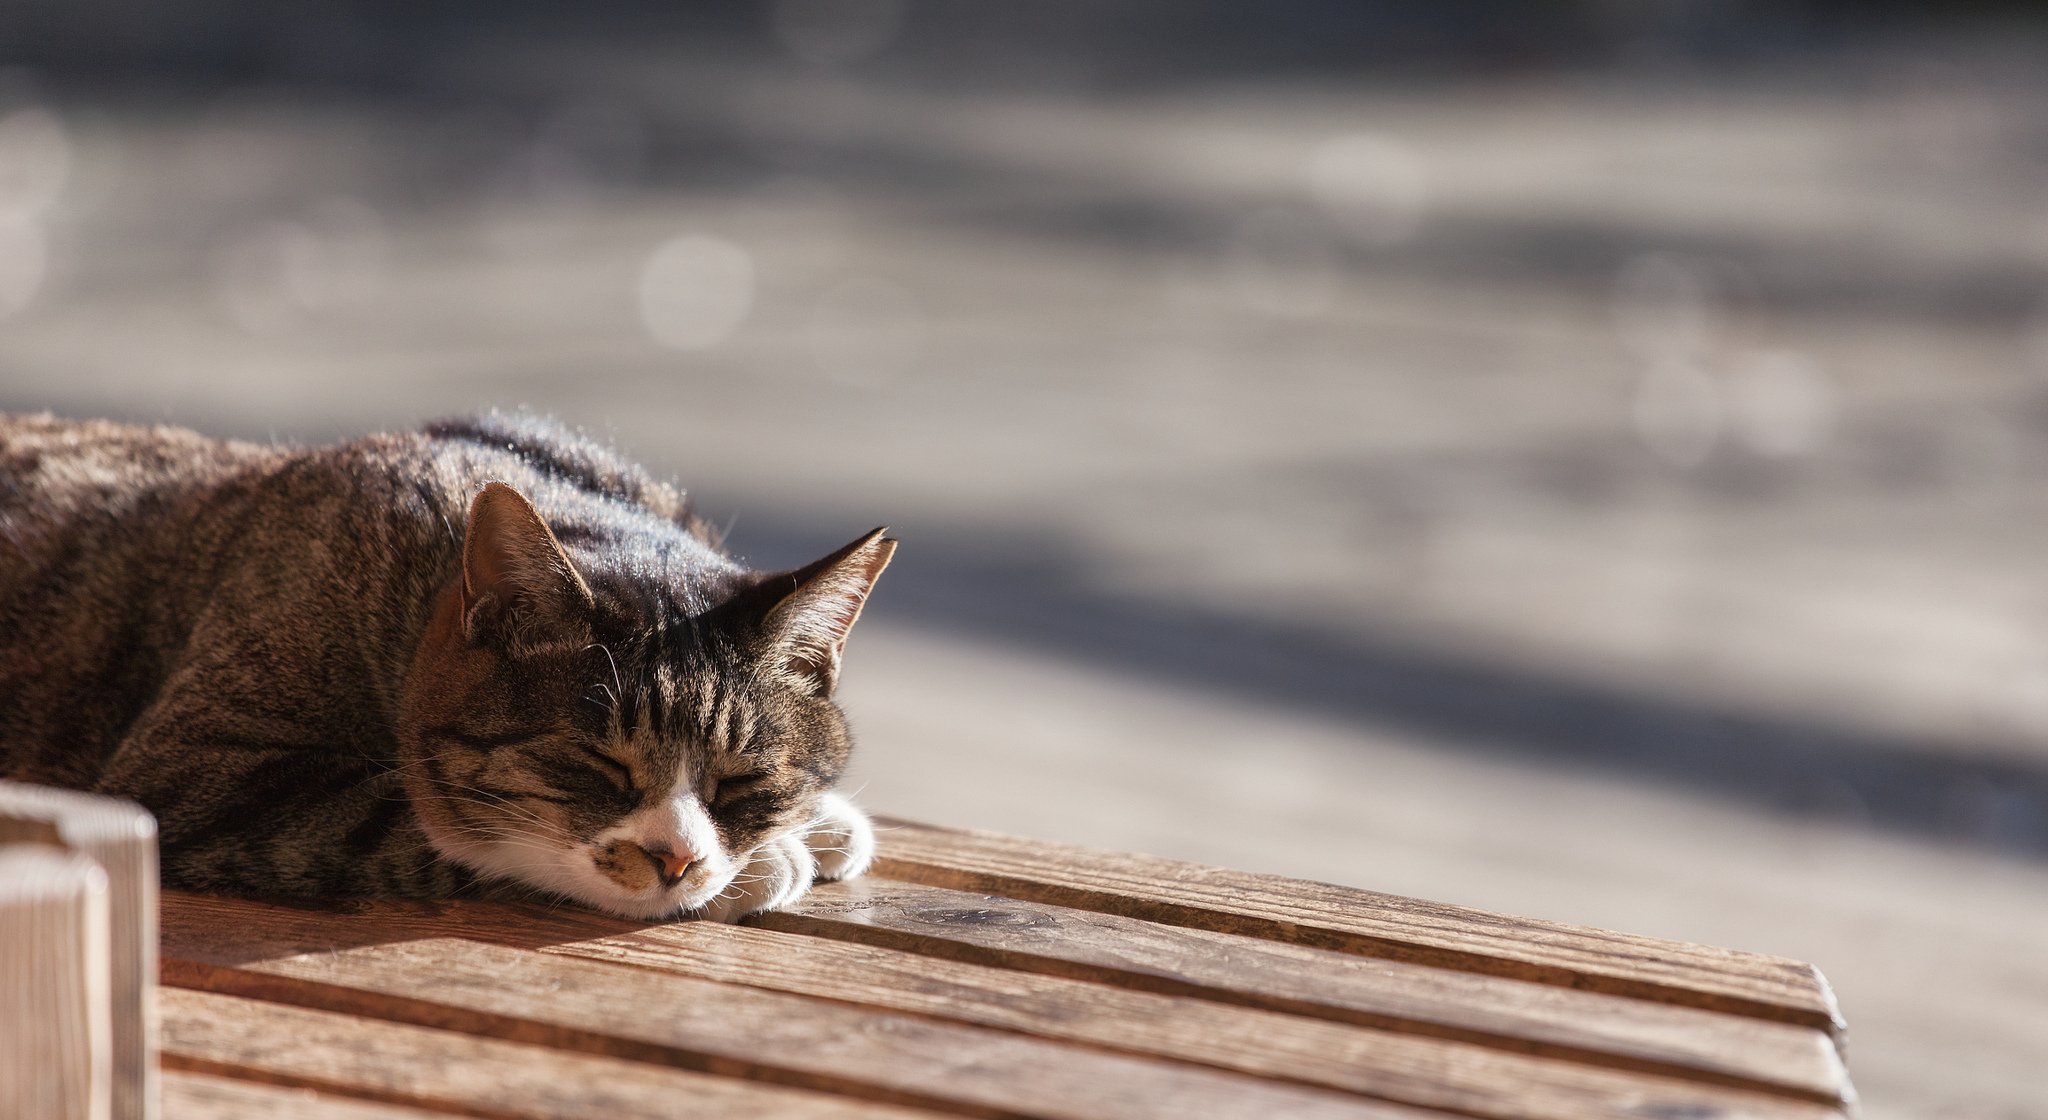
{"type": "Point", "coordinates": [695, 291]}
{"type": "Point", "coordinates": [1374, 187]}
{"type": "Point", "coordinates": [1780, 403]}
{"type": "Point", "coordinates": [35, 160]}
{"type": "Point", "coordinates": [24, 256]}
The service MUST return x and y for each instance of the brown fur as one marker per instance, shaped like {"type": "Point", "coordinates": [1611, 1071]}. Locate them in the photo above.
{"type": "Point", "coordinates": [295, 658]}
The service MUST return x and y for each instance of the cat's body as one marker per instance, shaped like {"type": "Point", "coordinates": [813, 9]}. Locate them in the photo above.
{"type": "Point", "coordinates": [361, 670]}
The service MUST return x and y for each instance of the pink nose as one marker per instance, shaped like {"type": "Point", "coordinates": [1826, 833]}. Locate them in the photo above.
{"type": "Point", "coordinates": [670, 866]}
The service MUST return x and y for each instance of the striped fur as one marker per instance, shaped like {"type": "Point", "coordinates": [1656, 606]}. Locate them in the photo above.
{"type": "Point", "coordinates": [282, 653]}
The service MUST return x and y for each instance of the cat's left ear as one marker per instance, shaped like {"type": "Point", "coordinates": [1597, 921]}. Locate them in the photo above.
{"type": "Point", "coordinates": [516, 580]}
{"type": "Point", "coordinates": [807, 627]}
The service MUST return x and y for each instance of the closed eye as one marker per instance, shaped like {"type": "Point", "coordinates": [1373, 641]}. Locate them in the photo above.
{"type": "Point", "coordinates": [580, 774]}
{"type": "Point", "coordinates": [736, 787]}
{"type": "Point", "coordinates": [485, 741]}
{"type": "Point", "coordinates": [618, 771]}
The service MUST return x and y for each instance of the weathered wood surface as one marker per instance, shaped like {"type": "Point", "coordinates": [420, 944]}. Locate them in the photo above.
{"type": "Point", "coordinates": [56, 1045]}
{"type": "Point", "coordinates": [896, 997]}
{"type": "Point", "coordinates": [1590, 1027]}
{"type": "Point", "coordinates": [420, 1069]}
{"type": "Point", "coordinates": [1369, 923]}
{"type": "Point", "coordinates": [121, 837]}
{"type": "Point", "coordinates": [200, 1096]}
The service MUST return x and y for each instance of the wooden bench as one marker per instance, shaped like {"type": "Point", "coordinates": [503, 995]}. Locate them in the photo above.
{"type": "Point", "coordinates": [984, 976]}
{"type": "Point", "coordinates": [979, 975]}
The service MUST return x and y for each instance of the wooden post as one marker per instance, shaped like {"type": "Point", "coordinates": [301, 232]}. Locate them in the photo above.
{"type": "Point", "coordinates": [120, 837]}
{"type": "Point", "coordinates": [56, 1030]}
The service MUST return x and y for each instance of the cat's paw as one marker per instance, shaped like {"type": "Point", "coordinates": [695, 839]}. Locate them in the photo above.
{"type": "Point", "coordinates": [776, 874]}
{"type": "Point", "coordinates": [841, 839]}
{"type": "Point", "coordinates": [839, 844]}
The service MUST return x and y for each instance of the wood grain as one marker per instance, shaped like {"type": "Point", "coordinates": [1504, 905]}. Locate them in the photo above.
{"type": "Point", "coordinates": [1454, 1076]}
{"type": "Point", "coordinates": [56, 1041]}
{"type": "Point", "coordinates": [199, 1096]}
{"type": "Point", "coordinates": [418, 1069]}
{"type": "Point", "coordinates": [1108, 949]}
{"type": "Point", "coordinates": [1351, 920]}
{"type": "Point", "coordinates": [368, 965]}
{"type": "Point", "coordinates": [121, 837]}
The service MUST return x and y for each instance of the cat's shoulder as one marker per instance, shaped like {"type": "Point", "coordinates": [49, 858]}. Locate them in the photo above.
{"type": "Point", "coordinates": [553, 457]}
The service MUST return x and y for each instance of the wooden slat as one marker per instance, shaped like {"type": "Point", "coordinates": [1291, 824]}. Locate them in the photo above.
{"type": "Point", "coordinates": [1580, 1026]}
{"type": "Point", "coordinates": [56, 1040]}
{"type": "Point", "coordinates": [1472, 1080]}
{"type": "Point", "coordinates": [426, 1071]}
{"type": "Point", "coordinates": [1457, 1077]}
{"type": "Point", "coordinates": [367, 966]}
{"type": "Point", "coordinates": [199, 1096]}
{"type": "Point", "coordinates": [1351, 920]}
{"type": "Point", "coordinates": [121, 837]}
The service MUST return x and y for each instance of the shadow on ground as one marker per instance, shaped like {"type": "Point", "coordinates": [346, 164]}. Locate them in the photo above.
{"type": "Point", "coordinates": [1005, 592]}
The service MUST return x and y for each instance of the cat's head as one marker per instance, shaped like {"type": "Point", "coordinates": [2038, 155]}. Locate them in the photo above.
{"type": "Point", "coordinates": [571, 723]}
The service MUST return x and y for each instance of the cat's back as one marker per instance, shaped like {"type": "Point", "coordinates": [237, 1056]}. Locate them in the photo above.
{"type": "Point", "coordinates": [60, 476]}
{"type": "Point", "coordinates": [64, 481]}
{"type": "Point", "coordinates": [574, 480]}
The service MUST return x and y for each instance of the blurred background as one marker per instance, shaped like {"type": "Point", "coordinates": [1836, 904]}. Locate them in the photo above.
{"type": "Point", "coordinates": [1586, 460]}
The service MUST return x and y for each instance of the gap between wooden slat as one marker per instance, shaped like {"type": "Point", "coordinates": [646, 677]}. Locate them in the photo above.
{"type": "Point", "coordinates": [1496, 1084]}
{"type": "Point", "coordinates": [387, 1007]}
{"type": "Point", "coordinates": [198, 1095]}
{"type": "Point", "coordinates": [358, 964]}
{"type": "Point", "coordinates": [420, 1067]}
{"type": "Point", "coordinates": [346, 1094]}
{"type": "Point", "coordinates": [1619, 964]}
{"type": "Point", "coordinates": [1433, 1073]}
{"type": "Point", "coordinates": [844, 912]}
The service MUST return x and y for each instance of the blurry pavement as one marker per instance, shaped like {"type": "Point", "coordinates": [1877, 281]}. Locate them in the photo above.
{"type": "Point", "coordinates": [1616, 498]}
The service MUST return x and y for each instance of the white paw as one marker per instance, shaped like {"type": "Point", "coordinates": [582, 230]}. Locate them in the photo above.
{"type": "Point", "coordinates": [843, 840]}
{"type": "Point", "coordinates": [775, 874]}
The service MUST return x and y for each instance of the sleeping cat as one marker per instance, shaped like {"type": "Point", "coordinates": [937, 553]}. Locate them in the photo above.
{"type": "Point", "coordinates": [485, 658]}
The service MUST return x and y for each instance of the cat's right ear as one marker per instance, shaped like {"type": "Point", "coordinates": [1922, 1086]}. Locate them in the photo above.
{"type": "Point", "coordinates": [814, 607]}
{"type": "Point", "coordinates": [516, 580]}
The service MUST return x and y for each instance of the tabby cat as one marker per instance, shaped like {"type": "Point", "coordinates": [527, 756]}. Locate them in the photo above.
{"type": "Point", "coordinates": [485, 658]}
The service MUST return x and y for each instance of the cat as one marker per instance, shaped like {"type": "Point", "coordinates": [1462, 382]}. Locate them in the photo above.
{"type": "Point", "coordinates": [489, 658]}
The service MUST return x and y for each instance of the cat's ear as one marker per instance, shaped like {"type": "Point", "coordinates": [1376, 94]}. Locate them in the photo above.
{"type": "Point", "coordinates": [516, 580]}
{"type": "Point", "coordinates": [806, 627]}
